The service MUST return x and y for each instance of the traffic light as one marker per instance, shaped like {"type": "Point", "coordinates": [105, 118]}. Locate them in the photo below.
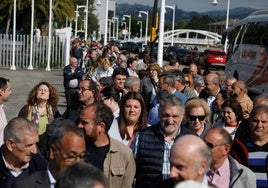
{"type": "Point", "coordinates": [154, 34]}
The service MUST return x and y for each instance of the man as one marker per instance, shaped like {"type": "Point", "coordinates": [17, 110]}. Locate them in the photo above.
{"type": "Point", "coordinates": [77, 52]}
{"type": "Point", "coordinates": [189, 158]}
{"type": "Point", "coordinates": [183, 88]}
{"type": "Point", "coordinates": [132, 84]}
{"type": "Point", "coordinates": [19, 157]}
{"type": "Point", "coordinates": [5, 92]}
{"type": "Point", "coordinates": [167, 81]}
{"type": "Point", "coordinates": [239, 92]}
{"type": "Point", "coordinates": [194, 70]}
{"type": "Point", "coordinates": [112, 157]}
{"type": "Point", "coordinates": [81, 175]}
{"type": "Point", "coordinates": [212, 82]}
{"type": "Point", "coordinates": [252, 151]}
{"type": "Point", "coordinates": [152, 145]}
{"type": "Point", "coordinates": [260, 99]}
{"type": "Point", "coordinates": [225, 171]}
{"type": "Point", "coordinates": [66, 146]}
{"type": "Point", "coordinates": [72, 75]}
{"type": "Point", "coordinates": [229, 82]}
{"type": "Point", "coordinates": [86, 91]}
{"type": "Point", "coordinates": [119, 78]}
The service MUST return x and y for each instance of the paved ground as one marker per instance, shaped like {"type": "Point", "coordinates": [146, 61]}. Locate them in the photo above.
{"type": "Point", "coordinates": [22, 81]}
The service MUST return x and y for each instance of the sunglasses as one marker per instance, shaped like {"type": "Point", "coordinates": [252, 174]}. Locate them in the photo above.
{"type": "Point", "coordinates": [211, 146]}
{"type": "Point", "coordinates": [200, 118]}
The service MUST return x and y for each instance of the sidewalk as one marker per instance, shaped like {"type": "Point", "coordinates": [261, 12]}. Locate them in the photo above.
{"type": "Point", "coordinates": [22, 81]}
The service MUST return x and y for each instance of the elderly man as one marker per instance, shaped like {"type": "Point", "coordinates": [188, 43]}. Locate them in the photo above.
{"type": "Point", "coordinates": [19, 157]}
{"type": "Point", "coordinates": [5, 92]}
{"type": "Point", "coordinates": [252, 151]}
{"type": "Point", "coordinates": [112, 157]}
{"type": "Point", "coordinates": [225, 171]}
{"type": "Point", "coordinates": [86, 91]}
{"type": "Point", "coordinates": [66, 146]}
{"type": "Point", "coordinates": [239, 92]}
{"type": "Point", "coordinates": [212, 82]}
{"type": "Point", "coordinates": [189, 158]}
{"type": "Point", "coordinates": [152, 145]}
{"type": "Point", "coordinates": [72, 75]}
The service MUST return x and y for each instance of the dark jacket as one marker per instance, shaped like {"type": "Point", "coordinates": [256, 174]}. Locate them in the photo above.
{"type": "Point", "coordinates": [38, 179]}
{"type": "Point", "coordinates": [149, 158]}
{"type": "Point", "coordinates": [68, 75]}
{"type": "Point", "coordinates": [37, 163]}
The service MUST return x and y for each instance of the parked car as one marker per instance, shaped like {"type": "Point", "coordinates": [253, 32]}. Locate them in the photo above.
{"type": "Point", "coordinates": [170, 52]}
{"type": "Point", "coordinates": [214, 58]}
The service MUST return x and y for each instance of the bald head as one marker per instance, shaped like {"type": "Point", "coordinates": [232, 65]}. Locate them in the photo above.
{"type": "Point", "coordinates": [190, 158]}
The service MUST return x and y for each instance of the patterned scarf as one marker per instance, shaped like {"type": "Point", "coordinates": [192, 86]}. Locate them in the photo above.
{"type": "Point", "coordinates": [36, 114]}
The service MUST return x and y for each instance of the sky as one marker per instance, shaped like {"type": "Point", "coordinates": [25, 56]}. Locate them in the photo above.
{"type": "Point", "coordinates": [203, 5]}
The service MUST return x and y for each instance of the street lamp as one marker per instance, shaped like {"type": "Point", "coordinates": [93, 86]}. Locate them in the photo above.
{"type": "Point", "coordinates": [161, 34]}
{"type": "Point", "coordinates": [140, 22]}
{"type": "Point", "coordinates": [76, 17]}
{"type": "Point", "coordinates": [214, 3]}
{"type": "Point", "coordinates": [129, 23]}
{"type": "Point", "coordinates": [146, 29]}
{"type": "Point", "coordinates": [13, 67]}
{"type": "Point", "coordinates": [173, 22]}
{"type": "Point", "coordinates": [86, 20]}
{"type": "Point", "coordinates": [124, 23]}
{"type": "Point", "coordinates": [30, 67]}
{"type": "Point", "coordinates": [117, 23]}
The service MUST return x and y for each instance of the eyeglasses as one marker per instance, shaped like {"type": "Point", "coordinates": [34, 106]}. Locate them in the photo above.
{"type": "Point", "coordinates": [72, 157]}
{"type": "Point", "coordinates": [193, 118]}
{"type": "Point", "coordinates": [82, 89]}
{"type": "Point", "coordinates": [103, 99]}
{"type": "Point", "coordinates": [211, 146]}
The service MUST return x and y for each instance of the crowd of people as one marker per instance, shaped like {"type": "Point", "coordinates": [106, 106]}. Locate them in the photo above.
{"type": "Point", "coordinates": [131, 123]}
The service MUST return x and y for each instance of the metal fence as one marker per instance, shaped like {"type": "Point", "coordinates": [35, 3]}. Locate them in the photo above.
{"type": "Point", "coordinates": [39, 52]}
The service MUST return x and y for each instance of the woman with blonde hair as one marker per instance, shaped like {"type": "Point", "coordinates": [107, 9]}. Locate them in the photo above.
{"type": "Point", "coordinates": [197, 116]}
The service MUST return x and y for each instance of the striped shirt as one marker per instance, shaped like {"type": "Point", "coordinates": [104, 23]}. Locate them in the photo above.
{"type": "Point", "coordinates": [258, 157]}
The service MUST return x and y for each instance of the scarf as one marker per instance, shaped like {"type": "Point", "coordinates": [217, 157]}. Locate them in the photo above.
{"type": "Point", "coordinates": [36, 114]}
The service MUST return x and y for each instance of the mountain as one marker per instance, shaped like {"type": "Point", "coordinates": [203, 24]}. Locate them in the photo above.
{"type": "Point", "coordinates": [236, 13]}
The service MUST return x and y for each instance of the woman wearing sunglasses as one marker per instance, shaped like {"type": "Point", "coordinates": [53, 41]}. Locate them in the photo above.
{"type": "Point", "coordinates": [197, 116]}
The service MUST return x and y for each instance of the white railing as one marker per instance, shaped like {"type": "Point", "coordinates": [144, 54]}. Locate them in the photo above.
{"type": "Point", "coordinates": [39, 56]}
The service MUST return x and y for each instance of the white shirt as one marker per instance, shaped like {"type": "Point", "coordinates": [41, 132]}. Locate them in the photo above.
{"type": "Point", "coordinates": [3, 123]}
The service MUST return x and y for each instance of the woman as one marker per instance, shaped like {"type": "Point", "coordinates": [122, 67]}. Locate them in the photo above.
{"type": "Point", "coordinates": [149, 85]}
{"type": "Point", "coordinates": [197, 116]}
{"type": "Point", "coordinates": [41, 109]}
{"type": "Point", "coordinates": [222, 96]}
{"type": "Point", "coordinates": [233, 115]}
{"type": "Point", "coordinates": [132, 117]}
{"type": "Point", "coordinates": [104, 70]}
{"type": "Point", "coordinates": [189, 80]}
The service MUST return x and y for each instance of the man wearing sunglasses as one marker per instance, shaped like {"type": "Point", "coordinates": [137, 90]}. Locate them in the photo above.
{"type": "Point", "coordinates": [224, 170]}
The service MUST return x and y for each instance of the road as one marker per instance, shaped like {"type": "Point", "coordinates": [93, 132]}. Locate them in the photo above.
{"type": "Point", "coordinates": [22, 81]}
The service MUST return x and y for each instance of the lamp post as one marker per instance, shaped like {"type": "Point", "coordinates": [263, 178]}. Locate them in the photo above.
{"type": "Point", "coordinates": [117, 23]}
{"type": "Point", "coordinates": [86, 20]}
{"type": "Point", "coordinates": [124, 23]}
{"type": "Point", "coordinates": [106, 23]}
{"type": "Point", "coordinates": [129, 23]}
{"type": "Point", "coordinates": [13, 67]}
{"type": "Point", "coordinates": [173, 22]}
{"type": "Point", "coordinates": [30, 67]}
{"type": "Point", "coordinates": [161, 34]}
{"type": "Point", "coordinates": [214, 3]}
{"type": "Point", "coordinates": [146, 29]}
{"type": "Point", "coordinates": [76, 17]}
{"type": "Point", "coordinates": [49, 36]}
{"type": "Point", "coordinates": [140, 22]}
